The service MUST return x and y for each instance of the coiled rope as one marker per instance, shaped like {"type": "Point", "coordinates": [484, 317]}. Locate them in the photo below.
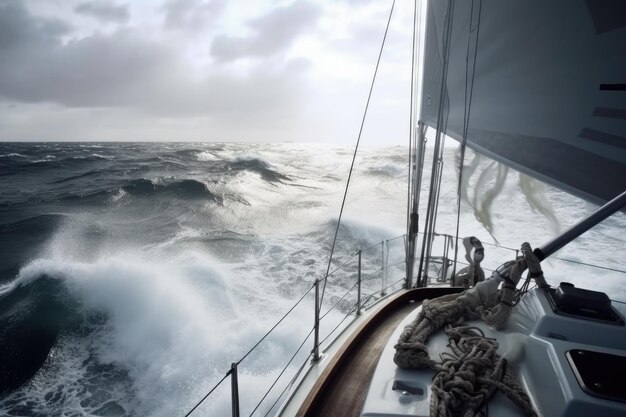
{"type": "Point", "coordinates": [467, 377]}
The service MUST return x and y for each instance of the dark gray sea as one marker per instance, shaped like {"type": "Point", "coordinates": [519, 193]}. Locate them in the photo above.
{"type": "Point", "coordinates": [133, 274]}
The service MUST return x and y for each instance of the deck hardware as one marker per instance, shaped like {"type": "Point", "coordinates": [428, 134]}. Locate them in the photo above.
{"type": "Point", "coordinates": [316, 342]}
{"type": "Point", "coordinates": [383, 280]}
{"type": "Point", "coordinates": [358, 296]}
{"type": "Point", "coordinates": [234, 387]}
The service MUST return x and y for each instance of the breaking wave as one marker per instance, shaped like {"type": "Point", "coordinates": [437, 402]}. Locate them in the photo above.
{"type": "Point", "coordinates": [184, 189]}
{"type": "Point", "coordinates": [116, 324]}
{"type": "Point", "coordinates": [257, 165]}
{"type": "Point", "coordinates": [132, 275]}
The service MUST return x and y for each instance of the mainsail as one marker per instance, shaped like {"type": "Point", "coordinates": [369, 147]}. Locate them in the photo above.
{"type": "Point", "coordinates": [538, 85]}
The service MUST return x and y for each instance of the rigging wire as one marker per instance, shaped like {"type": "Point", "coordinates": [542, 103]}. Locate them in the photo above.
{"type": "Point", "coordinates": [428, 227]}
{"type": "Point", "coordinates": [590, 265]}
{"type": "Point", "coordinates": [411, 129]}
{"type": "Point", "coordinates": [328, 274]}
{"type": "Point", "coordinates": [287, 386]}
{"type": "Point", "coordinates": [356, 148]}
{"type": "Point", "coordinates": [348, 314]}
{"type": "Point", "coordinates": [275, 325]}
{"type": "Point", "coordinates": [250, 351]}
{"type": "Point", "coordinates": [562, 259]}
{"type": "Point", "coordinates": [395, 283]}
{"type": "Point", "coordinates": [339, 301]}
{"type": "Point", "coordinates": [281, 373]}
{"type": "Point", "coordinates": [466, 116]}
{"type": "Point", "coordinates": [415, 171]}
{"type": "Point", "coordinates": [230, 371]}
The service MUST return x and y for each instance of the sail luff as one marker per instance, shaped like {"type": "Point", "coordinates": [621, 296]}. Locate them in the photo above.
{"type": "Point", "coordinates": [547, 98]}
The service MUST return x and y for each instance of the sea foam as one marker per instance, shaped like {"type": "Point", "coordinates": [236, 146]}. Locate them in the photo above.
{"type": "Point", "coordinates": [172, 325]}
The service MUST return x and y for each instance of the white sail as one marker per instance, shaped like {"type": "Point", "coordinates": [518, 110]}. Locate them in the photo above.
{"type": "Point", "coordinates": [540, 86]}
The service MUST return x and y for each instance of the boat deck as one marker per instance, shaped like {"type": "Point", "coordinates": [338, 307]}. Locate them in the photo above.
{"type": "Point", "coordinates": [342, 389]}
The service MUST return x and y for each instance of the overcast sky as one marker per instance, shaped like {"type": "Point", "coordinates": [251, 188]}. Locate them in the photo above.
{"type": "Point", "coordinates": [202, 70]}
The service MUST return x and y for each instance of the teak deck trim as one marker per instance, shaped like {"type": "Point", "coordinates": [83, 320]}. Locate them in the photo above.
{"type": "Point", "coordinates": [341, 388]}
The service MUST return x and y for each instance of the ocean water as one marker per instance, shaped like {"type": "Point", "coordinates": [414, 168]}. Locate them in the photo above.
{"type": "Point", "coordinates": [133, 274]}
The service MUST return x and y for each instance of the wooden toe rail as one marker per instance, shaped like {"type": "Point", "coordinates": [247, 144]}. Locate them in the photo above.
{"type": "Point", "coordinates": [341, 389]}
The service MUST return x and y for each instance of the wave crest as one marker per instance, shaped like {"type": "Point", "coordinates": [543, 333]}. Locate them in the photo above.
{"type": "Point", "coordinates": [259, 166]}
{"type": "Point", "coordinates": [184, 189]}
{"type": "Point", "coordinates": [151, 323]}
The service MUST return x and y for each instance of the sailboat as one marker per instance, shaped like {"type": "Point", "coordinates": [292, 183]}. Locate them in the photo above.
{"type": "Point", "coordinates": [541, 87]}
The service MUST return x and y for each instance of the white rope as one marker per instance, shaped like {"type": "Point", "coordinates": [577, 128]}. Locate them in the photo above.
{"type": "Point", "coordinates": [473, 273]}
{"type": "Point", "coordinates": [466, 378]}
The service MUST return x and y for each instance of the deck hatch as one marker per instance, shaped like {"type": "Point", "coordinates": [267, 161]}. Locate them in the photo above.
{"type": "Point", "coordinates": [599, 374]}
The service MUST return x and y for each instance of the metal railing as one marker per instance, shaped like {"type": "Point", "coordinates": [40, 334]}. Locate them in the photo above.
{"type": "Point", "coordinates": [383, 261]}
{"type": "Point", "coordinates": [440, 271]}
{"type": "Point", "coordinates": [372, 263]}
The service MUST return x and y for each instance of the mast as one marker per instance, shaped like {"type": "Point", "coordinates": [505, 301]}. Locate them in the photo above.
{"type": "Point", "coordinates": [435, 178]}
{"type": "Point", "coordinates": [416, 149]}
{"type": "Point", "coordinates": [415, 182]}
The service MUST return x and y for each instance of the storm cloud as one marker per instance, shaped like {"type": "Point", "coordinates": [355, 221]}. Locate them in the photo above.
{"type": "Point", "coordinates": [272, 32]}
{"type": "Point", "coordinates": [19, 30]}
{"type": "Point", "coordinates": [123, 69]}
{"type": "Point", "coordinates": [191, 14]}
{"type": "Point", "coordinates": [183, 69]}
{"type": "Point", "coordinates": [104, 11]}
{"type": "Point", "coordinates": [97, 70]}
